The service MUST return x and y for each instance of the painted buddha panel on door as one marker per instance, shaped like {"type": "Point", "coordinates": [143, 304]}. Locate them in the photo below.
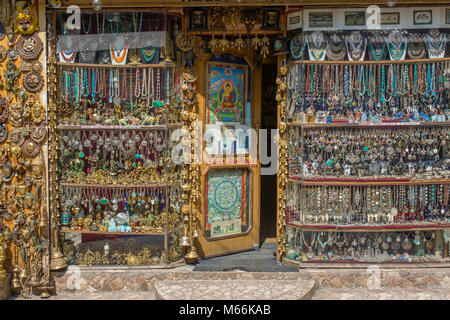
{"type": "Point", "coordinates": [228, 102]}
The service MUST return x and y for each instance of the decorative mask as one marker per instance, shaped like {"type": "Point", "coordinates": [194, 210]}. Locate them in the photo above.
{"type": "Point", "coordinates": [7, 172]}
{"type": "Point", "coordinates": [26, 17]}
{"type": "Point", "coordinates": [37, 113]}
{"type": "Point", "coordinates": [37, 168]}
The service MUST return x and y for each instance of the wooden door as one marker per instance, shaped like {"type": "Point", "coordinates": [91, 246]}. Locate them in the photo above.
{"type": "Point", "coordinates": [229, 99]}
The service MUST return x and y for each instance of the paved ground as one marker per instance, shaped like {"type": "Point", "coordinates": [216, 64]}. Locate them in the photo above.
{"type": "Point", "coordinates": [234, 289]}
{"type": "Point", "coordinates": [381, 294]}
{"type": "Point", "coordinates": [251, 275]}
{"type": "Point", "coordinates": [262, 260]}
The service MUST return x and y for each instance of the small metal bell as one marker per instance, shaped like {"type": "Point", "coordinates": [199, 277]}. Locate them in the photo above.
{"type": "Point", "coordinates": [23, 274]}
{"type": "Point", "coordinates": [196, 234]}
{"type": "Point", "coordinates": [185, 242]}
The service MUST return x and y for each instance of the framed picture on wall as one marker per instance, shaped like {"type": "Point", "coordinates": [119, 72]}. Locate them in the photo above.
{"type": "Point", "coordinates": [447, 16]}
{"type": "Point", "coordinates": [422, 17]}
{"type": "Point", "coordinates": [320, 19]}
{"type": "Point", "coordinates": [355, 18]}
{"type": "Point", "coordinates": [389, 18]}
{"type": "Point", "coordinates": [294, 20]}
{"type": "Point", "coordinates": [198, 19]}
{"type": "Point", "coordinates": [271, 19]}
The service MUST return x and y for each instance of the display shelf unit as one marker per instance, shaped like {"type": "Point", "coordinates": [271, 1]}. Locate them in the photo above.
{"type": "Point", "coordinates": [105, 128]}
{"type": "Point", "coordinates": [316, 213]}
{"type": "Point", "coordinates": [113, 66]}
{"type": "Point", "coordinates": [368, 62]}
{"type": "Point", "coordinates": [122, 186]}
{"type": "Point", "coordinates": [117, 91]}
{"type": "Point", "coordinates": [371, 124]}
{"type": "Point", "coordinates": [374, 228]}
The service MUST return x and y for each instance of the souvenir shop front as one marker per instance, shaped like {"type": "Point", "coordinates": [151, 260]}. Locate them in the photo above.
{"type": "Point", "coordinates": [110, 115]}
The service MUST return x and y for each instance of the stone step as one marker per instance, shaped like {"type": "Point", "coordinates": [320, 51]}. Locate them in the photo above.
{"type": "Point", "coordinates": [234, 289]}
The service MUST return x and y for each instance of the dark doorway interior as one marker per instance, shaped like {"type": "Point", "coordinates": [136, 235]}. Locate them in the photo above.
{"type": "Point", "coordinates": [268, 182]}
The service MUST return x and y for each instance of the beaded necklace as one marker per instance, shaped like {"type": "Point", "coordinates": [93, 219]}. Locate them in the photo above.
{"type": "Point", "coordinates": [124, 92]}
{"type": "Point", "coordinates": [377, 49]}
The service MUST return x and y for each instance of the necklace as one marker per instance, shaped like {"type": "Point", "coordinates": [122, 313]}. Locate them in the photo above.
{"type": "Point", "coordinates": [416, 48]}
{"type": "Point", "coordinates": [88, 30]}
{"type": "Point", "coordinates": [377, 47]}
{"type": "Point", "coordinates": [297, 46]}
{"type": "Point", "coordinates": [313, 239]}
{"type": "Point", "coordinates": [336, 49]}
{"type": "Point", "coordinates": [119, 51]}
{"type": "Point", "coordinates": [317, 46]}
{"type": "Point", "coordinates": [396, 44]}
{"type": "Point", "coordinates": [436, 43]}
{"type": "Point", "coordinates": [66, 52]}
{"type": "Point", "coordinates": [356, 46]}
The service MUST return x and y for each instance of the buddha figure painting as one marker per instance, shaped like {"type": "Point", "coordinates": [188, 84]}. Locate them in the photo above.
{"type": "Point", "coordinates": [227, 93]}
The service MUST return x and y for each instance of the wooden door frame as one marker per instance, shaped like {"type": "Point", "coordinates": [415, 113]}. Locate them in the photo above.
{"type": "Point", "coordinates": [238, 242]}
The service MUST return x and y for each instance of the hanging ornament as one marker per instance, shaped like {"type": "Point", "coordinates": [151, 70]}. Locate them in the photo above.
{"type": "Point", "coordinates": [3, 110]}
{"type": "Point", "coordinates": [26, 17]}
{"type": "Point", "coordinates": [37, 113]}
{"type": "Point", "coordinates": [16, 137]}
{"type": "Point", "coordinates": [36, 67]}
{"type": "Point", "coordinates": [3, 132]}
{"type": "Point", "coordinates": [12, 54]}
{"type": "Point", "coordinates": [33, 82]}
{"type": "Point", "coordinates": [38, 134]}
{"type": "Point", "coordinates": [30, 149]}
{"type": "Point", "coordinates": [2, 53]}
{"type": "Point", "coordinates": [184, 42]}
{"type": "Point", "coordinates": [29, 47]}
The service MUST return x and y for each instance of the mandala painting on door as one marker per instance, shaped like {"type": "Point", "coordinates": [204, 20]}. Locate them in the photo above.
{"type": "Point", "coordinates": [226, 202]}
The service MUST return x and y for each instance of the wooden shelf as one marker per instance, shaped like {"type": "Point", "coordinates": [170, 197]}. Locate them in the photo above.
{"type": "Point", "coordinates": [121, 186]}
{"type": "Point", "coordinates": [366, 182]}
{"type": "Point", "coordinates": [368, 228]}
{"type": "Point", "coordinates": [328, 62]}
{"type": "Point", "coordinates": [111, 66]}
{"type": "Point", "coordinates": [369, 125]}
{"type": "Point", "coordinates": [219, 34]}
{"type": "Point", "coordinates": [118, 128]}
{"type": "Point", "coordinates": [155, 233]}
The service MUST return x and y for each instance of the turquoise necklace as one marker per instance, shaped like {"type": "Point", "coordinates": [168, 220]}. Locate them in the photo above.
{"type": "Point", "coordinates": [396, 52]}
{"type": "Point", "coordinates": [377, 50]}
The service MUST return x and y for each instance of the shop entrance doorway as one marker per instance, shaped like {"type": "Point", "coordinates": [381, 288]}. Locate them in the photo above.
{"type": "Point", "coordinates": [268, 182]}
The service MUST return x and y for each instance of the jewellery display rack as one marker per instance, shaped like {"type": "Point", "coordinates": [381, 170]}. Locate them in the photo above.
{"type": "Point", "coordinates": [368, 163]}
{"type": "Point", "coordinates": [116, 110]}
